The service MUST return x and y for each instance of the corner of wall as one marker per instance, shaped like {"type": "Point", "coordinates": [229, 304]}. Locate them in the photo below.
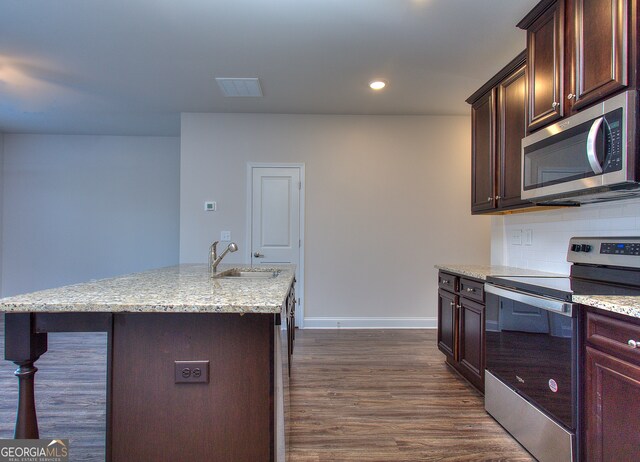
{"type": "Point", "coordinates": [1, 203]}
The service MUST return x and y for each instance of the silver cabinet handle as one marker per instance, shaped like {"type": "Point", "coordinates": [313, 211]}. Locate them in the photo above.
{"type": "Point", "coordinates": [258, 255]}
{"type": "Point", "coordinates": [489, 198]}
{"type": "Point", "coordinates": [633, 343]}
{"type": "Point", "coordinates": [469, 289]}
{"type": "Point", "coordinates": [458, 306]}
{"type": "Point", "coordinates": [444, 281]}
{"type": "Point", "coordinates": [570, 96]}
{"type": "Point", "coordinates": [451, 303]}
{"type": "Point", "coordinates": [498, 198]}
{"type": "Point", "coordinates": [555, 105]}
{"type": "Point", "coordinates": [592, 156]}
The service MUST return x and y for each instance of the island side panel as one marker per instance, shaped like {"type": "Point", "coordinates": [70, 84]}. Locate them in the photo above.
{"type": "Point", "coordinates": [229, 418]}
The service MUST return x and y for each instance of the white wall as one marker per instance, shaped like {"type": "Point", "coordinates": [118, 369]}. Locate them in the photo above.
{"type": "Point", "coordinates": [387, 197]}
{"type": "Point", "coordinates": [553, 228]}
{"type": "Point", "coordinates": [1, 201]}
{"type": "Point", "coordinates": [83, 207]}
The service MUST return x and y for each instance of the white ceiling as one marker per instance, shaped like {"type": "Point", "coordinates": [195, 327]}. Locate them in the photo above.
{"type": "Point", "coordinates": [131, 66]}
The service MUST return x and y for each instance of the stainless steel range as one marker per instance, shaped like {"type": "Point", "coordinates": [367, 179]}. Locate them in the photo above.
{"type": "Point", "coordinates": [531, 326]}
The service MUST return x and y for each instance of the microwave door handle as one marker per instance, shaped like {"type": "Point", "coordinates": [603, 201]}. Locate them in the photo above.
{"type": "Point", "coordinates": [592, 155]}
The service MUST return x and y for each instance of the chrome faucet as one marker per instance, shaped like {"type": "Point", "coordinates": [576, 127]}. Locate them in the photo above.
{"type": "Point", "coordinates": [214, 259]}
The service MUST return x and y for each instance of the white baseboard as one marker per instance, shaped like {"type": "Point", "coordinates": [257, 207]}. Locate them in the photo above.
{"type": "Point", "coordinates": [370, 323]}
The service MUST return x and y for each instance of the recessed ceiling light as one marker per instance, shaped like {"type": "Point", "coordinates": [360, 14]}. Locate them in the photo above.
{"type": "Point", "coordinates": [377, 84]}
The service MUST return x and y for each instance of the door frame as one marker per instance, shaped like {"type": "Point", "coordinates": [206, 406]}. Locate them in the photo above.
{"type": "Point", "coordinates": [249, 221]}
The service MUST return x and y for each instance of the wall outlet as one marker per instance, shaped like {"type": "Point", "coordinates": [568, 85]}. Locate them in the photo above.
{"type": "Point", "coordinates": [516, 237]}
{"type": "Point", "coordinates": [210, 206]}
{"type": "Point", "coordinates": [225, 236]}
{"type": "Point", "coordinates": [191, 371]}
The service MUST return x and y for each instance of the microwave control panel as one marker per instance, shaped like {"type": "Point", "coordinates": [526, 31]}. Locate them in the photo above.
{"type": "Point", "coordinates": [613, 133]}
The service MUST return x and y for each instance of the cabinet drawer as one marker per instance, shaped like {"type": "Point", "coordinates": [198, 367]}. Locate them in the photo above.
{"type": "Point", "coordinates": [471, 289]}
{"type": "Point", "coordinates": [614, 336]}
{"type": "Point", "coordinates": [448, 281]}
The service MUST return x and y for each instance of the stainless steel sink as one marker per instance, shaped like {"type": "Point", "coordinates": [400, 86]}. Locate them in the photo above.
{"type": "Point", "coordinates": [252, 274]}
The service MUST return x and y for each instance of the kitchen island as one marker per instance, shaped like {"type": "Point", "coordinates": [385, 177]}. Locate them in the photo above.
{"type": "Point", "coordinates": [226, 406]}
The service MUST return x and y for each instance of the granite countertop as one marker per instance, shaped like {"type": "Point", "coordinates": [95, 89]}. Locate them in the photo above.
{"type": "Point", "coordinates": [627, 305]}
{"type": "Point", "coordinates": [482, 271]}
{"type": "Point", "coordinates": [186, 288]}
{"type": "Point", "coordinates": [621, 304]}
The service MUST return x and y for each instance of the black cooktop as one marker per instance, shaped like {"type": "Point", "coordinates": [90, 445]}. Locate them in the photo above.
{"type": "Point", "coordinates": [562, 288]}
{"type": "Point", "coordinates": [600, 266]}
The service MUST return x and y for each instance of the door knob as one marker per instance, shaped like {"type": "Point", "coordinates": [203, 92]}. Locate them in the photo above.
{"type": "Point", "coordinates": [258, 255]}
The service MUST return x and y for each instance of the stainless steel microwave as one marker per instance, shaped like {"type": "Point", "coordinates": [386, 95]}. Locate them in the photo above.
{"type": "Point", "coordinates": [588, 157]}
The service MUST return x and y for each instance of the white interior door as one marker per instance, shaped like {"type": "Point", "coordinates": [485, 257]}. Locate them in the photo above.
{"type": "Point", "coordinates": [275, 219]}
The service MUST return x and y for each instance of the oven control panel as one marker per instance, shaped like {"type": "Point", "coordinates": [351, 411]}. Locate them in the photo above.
{"type": "Point", "coordinates": [606, 251]}
{"type": "Point", "coordinates": [620, 248]}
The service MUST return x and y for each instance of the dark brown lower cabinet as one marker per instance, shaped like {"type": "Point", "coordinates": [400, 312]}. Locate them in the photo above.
{"type": "Point", "coordinates": [447, 321]}
{"type": "Point", "coordinates": [461, 325]}
{"type": "Point", "coordinates": [612, 389]}
{"type": "Point", "coordinates": [471, 357]}
{"type": "Point", "coordinates": [613, 407]}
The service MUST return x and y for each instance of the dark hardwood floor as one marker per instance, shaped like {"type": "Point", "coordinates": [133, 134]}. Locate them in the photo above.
{"type": "Point", "coordinates": [387, 395]}
{"type": "Point", "coordinates": [70, 392]}
{"type": "Point", "coordinates": [356, 395]}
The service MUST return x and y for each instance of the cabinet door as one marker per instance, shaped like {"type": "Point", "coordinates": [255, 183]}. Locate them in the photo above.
{"type": "Point", "coordinates": [471, 353]}
{"type": "Point", "coordinates": [447, 323]}
{"type": "Point", "coordinates": [612, 404]}
{"type": "Point", "coordinates": [512, 127]}
{"type": "Point", "coordinates": [601, 51]}
{"type": "Point", "coordinates": [483, 153]}
{"type": "Point", "coordinates": [545, 48]}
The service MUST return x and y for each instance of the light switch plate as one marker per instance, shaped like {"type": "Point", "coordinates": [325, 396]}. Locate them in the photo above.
{"type": "Point", "coordinates": [516, 237]}
{"type": "Point", "coordinates": [528, 237]}
{"type": "Point", "coordinates": [225, 236]}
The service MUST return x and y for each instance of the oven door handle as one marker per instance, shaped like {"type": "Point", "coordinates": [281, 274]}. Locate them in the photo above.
{"type": "Point", "coordinates": [544, 303]}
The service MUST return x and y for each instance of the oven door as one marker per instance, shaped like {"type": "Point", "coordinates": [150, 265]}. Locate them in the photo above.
{"type": "Point", "coordinates": [531, 347]}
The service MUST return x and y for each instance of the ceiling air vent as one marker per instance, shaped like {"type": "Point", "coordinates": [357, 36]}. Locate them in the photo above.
{"type": "Point", "coordinates": [232, 87]}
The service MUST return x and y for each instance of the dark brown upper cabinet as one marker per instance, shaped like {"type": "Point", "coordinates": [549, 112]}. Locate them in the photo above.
{"type": "Point", "coordinates": [483, 153]}
{"type": "Point", "coordinates": [545, 58]}
{"type": "Point", "coordinates": [600, 49]}
{"type": "Point", "coordinates": [511, 128]}
{"type": "Point", "coordinates": [578, 52]}
{"type": "Point", "coordinates": [498, 124]}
